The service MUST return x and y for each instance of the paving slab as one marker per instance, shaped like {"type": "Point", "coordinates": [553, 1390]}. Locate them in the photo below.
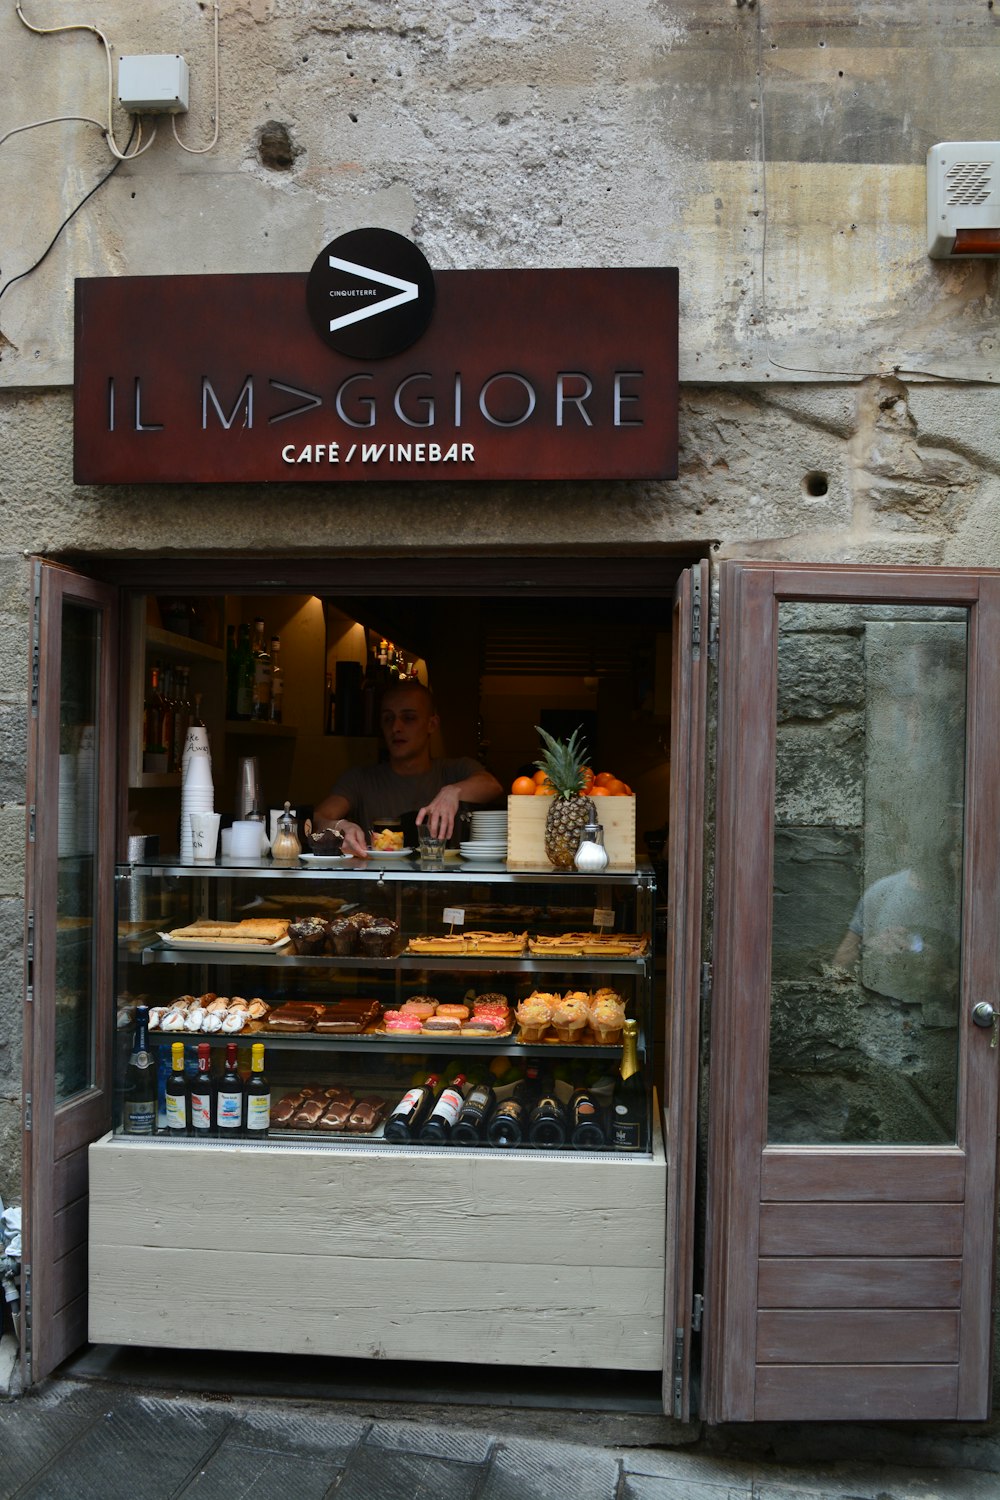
{"type": "Point", "coordinates": [129, 1449]}
{"type": "Point", "coordinates": [694, 1467]}
{"type": "Point", "coordinates": [309, 1431]}
{"type": "Point", "coordinates": [386, 1474]}
{"type": "Point", "coordinates": [456, 1443]}
{"type": "Point", "coordinates": [523, 1470]}
{"type": "Point", "coordinates": [235, 1472]}
{"type": "Point", "coordinates": [645, 1487]}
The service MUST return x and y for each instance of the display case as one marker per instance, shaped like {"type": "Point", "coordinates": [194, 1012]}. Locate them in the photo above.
{"type": "Point", "coordinates": [407, 1228]}
{"type": "Point", "coordinates": [187, 980]}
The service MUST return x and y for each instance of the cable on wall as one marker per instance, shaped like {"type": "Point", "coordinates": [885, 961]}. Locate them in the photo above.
{"type": "Point", "coordinates": [200, 150]}
{"type": "Point", "coordinates": [121, 157]}
{"type": "Point", "coordinates": [108, 130]}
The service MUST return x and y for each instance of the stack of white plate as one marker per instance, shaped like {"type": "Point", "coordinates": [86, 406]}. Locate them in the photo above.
{"type": "Point", "coordinates": [489, 837]}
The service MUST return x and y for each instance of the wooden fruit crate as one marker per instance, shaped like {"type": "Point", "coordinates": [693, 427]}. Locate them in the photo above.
{"type": "Point", "coordinates": [526, 831]}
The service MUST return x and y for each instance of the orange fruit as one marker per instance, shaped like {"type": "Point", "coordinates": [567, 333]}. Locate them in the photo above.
{"type": "Point", "coordinates": [545, 790]}
{"type": "Point", "coordinates": [626, 790]}
{"type": "Point", "coordinates": [538, 777]}
{"type": "Point", "coordinates": [598, 791]}
{"type": "Point", "coordinates": [523, 786]}
{"type": "Point", "coordinates": [614, 786]}
{"type": "Point", "coordinates": [588, 777]}
{"type": "Point", "coordinates": [603, 777]}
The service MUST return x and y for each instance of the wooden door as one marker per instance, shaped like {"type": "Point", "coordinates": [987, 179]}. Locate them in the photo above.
{"type": "Point", "coordinates": [853, 1097]}
{"type": "Point", "coordinates": [689, 639]}
{"type": "Point", "coordinates": [69, 947]}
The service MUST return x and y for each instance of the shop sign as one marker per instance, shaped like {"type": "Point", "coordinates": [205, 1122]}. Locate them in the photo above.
{"type": "Point", "coordinates": [548, 374]}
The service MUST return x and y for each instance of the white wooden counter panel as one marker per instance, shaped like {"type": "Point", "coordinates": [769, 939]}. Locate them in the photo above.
{"type": "Point", "coordinates": [505, 1259]}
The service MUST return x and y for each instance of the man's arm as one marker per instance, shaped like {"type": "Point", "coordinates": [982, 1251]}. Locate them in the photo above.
{"type": "Point", "coordinates": [332, 813]}
{"type": "Point", "coordinates": [441, 811]}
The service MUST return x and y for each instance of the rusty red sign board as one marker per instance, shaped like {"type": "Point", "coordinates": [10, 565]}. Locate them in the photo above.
{"type": "Point", "coordinates": [550, 374]}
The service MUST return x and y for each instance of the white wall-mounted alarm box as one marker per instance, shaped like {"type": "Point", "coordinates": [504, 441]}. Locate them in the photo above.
{"type": "Point", "coordinates": [963, 199]}
{"type": "Point", "coordinates": [153, 84]}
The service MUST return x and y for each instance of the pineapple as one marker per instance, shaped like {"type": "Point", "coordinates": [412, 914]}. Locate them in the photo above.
{"type": "Point", "coordinates": [570, 811]}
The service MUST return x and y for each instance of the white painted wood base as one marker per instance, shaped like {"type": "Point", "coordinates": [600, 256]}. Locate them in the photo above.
{"type": "Point", "coordinates": [520, 1258]}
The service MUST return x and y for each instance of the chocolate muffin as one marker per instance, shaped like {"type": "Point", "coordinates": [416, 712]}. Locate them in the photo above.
{"type": "Point", "coordinates": [342, 936]}
{"type": "Point", "coordinates": [308, 936]}
{"type": "Point", "coordinates": [379, 940]}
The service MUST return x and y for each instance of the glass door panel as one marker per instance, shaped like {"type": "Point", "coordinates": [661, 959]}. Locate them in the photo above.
{"type": "Point", "coordinates": [868, 850]}
{"type": "Point", "coordinates": [76, 813]}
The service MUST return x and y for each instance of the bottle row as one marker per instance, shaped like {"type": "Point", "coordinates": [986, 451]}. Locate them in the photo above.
{"type": "Point", "coordinates": [255, 684]}
{"type": "Point", "coordinates": [504, 1106]}
{"type": "Point", "coordinates": [169, 710]}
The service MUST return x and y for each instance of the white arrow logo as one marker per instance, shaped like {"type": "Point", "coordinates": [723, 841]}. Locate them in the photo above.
{"type": "Point", "coordinates": [408, 291]}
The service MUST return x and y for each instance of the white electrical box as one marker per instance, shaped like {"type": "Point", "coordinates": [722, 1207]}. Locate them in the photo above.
{"type": "Point", "coordinates": [963, 194]}
{"type": "Point", "coordinates": [155, 84]}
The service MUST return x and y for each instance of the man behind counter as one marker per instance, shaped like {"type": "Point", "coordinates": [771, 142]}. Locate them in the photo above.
{"type": "Point", "coordinates": [409, 781]}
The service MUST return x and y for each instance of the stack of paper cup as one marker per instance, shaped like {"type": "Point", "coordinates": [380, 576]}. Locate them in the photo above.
{"type": "Point", "coordinates": [197, 790]}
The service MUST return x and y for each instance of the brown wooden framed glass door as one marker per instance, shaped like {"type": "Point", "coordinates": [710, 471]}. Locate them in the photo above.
{"type": "Point", "coordinates": [72, 766]}
{"type": "Point", "coordinates": [852, 1151]}
{"type": "Point", "coordinates": [689, 677]}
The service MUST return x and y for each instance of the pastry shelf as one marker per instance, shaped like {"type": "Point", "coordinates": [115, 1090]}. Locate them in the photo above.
{"type": "Point", "coordinates": [160, 953]}
{"type": "Point", "coordinates": [418, 1043]}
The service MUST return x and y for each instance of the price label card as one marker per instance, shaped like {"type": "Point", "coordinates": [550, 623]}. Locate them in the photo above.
{"type": "Point", "coordinates": [603, 916]}
{"type": "Point", "coordinates": [454, 916]}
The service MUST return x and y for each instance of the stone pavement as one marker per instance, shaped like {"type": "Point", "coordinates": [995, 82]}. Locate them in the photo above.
{"type": "Point", "coordinates": [93, 1440]}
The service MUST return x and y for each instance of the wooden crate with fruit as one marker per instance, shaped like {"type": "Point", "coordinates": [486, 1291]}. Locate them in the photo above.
{"type": "Point", "coordinates": [546, 812]}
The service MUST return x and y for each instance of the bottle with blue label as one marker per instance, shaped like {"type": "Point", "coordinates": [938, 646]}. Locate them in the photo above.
{"type": "Point", "coordinates": [139, 1108]}
{"type": "Point", "coordinates": [229, 1097]}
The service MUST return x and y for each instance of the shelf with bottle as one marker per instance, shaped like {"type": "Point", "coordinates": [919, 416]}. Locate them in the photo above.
{"type": "Point", "coordinates": [255, 681]}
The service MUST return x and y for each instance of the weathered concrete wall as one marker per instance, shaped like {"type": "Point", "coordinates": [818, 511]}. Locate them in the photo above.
{"type": "Point", "coordinates": [774, 151]}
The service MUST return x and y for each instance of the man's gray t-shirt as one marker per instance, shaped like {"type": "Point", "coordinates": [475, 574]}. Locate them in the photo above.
{"type": "Point", "coordinates": [377, 793]}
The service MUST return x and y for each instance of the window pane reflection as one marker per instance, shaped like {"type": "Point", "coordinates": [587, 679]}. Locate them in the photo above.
{"type": "Point", "coordinates": [867, 874]}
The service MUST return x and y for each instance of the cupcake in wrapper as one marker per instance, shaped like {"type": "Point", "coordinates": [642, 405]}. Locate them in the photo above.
{"type": "Point", "coordinates": [342, 936]}
{"type": "Point", "coordinates": [534, 1016]}
{"type": "Point", "coordinates": [607, 1017]}
{"type": "Point", "coordinates": [378, 940]}
{"type": "Point", "coordinates": [307, 936]}
{"type": "Point", "coordinates": [571, 1017]}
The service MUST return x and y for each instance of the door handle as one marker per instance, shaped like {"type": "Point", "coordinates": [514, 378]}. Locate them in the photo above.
{"type": "Point", "coordinates": [986, 1015]}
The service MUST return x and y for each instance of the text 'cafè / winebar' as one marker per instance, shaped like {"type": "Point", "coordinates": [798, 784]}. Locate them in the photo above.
{"type": "Point", "coordinates": [382, 894]}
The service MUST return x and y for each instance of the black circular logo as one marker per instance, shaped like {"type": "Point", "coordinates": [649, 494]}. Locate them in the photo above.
{"type": "Point", "coordinates": [370, 294]}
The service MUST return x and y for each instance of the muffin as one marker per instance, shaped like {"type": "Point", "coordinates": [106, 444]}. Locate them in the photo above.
{"type": "Point", "coordinates": [534, 1016]}
{"type": "Point", "coordinates": [308, 936]}
{"type": "Point", "coordinates": [607, 1017]}
{"type": "Point", "coordinates": [571, 1017]}
{"type": "Point", "coordinates": [342, 936]}
{"type": "Point", "coordinates": [378, 940]}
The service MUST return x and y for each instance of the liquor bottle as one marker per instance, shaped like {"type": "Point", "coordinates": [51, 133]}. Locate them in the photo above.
{"type": "Point", "coordinates": [202, 1114]}
{"type": "Point", "coordinates": [508, 1125]}
{"type": "Point", "coordinates": [411, 1111]}
{"type": "Point", "coordinates": [229, 1096]}
{"type": "Point", "coordinates": [447, 1107]}
{"type": "Point", "coordinates": [182, 715]}
{"type": "Point", "coordinates": [151, 714]}
{"type": "Point", "coordinates": [470, 1127]}
{"type": "Point", "coordinates": [140, 1103]}
{"type": "Point", "coordinates": [177, 1092]}
{"type": "Point", "coordinates": [585, 1130]}
{"type": "Point", "coordinates": [258, 1096]}
{"type": "Point", "coordinates": [277, 681]}
{"type": "Point", "coordinates": [547, 1121]}
{"type": "Point", "coordinates": [627, 1131]}
{"type": "Point", "coordinates": [231, 671]}
{"type": "Point", "coordinates": [168, 715]}
{"type": "Point", "coordinates": [261, 706]}
{"type": "Point", "coordinates": [243, 703]}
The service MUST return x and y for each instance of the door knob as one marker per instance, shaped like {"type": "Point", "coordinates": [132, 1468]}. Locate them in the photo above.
{"type": "Point", "coordinates": [983, 1014]}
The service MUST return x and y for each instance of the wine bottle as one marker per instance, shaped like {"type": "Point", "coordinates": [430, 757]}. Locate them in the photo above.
{"type": "Point", "coordinates": [547, 1121]}
{"type": "Point", "coordinates": [260, 707]}
{"type": "Point", "coordinates": [202, 1113]}
{"type": "Point", "coordinates": [244, 672]}
{"type": "Point", "coordinates": [447, 1107]}
{"type": "Point", "coordinates": [585, 1130]}
{"type": "Point", "coordinates": [177, 1092]}
{"type": "Point", "coordinates": [508, 1125]}
{"type": "Point", "coordinates": [628, 1127]}
{"type": "Point", "coordinates": [277, 681]}
{"type": "Point", "coordinates": [411, 1111]}
{"type": "Point", "coordinates": [470, 1127]}
{"type": "Point", "coordinates": [258, 1096]}
{"type": "Point", "coordinates": [229, 1096]}
{"type": "Point", "coordinates": [140, 1102]}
